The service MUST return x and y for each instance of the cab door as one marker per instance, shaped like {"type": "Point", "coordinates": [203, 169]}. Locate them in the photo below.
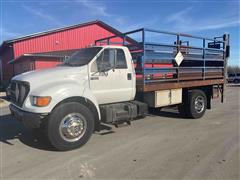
{"type": "Point", "coordinates": [111, 78]}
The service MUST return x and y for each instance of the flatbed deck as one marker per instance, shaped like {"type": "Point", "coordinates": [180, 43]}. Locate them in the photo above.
{"type": "Point", "coordinates": [204, 59]}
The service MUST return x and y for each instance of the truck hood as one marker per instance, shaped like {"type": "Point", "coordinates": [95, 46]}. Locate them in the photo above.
{"type": "Point", "coordinates": [53, 74]}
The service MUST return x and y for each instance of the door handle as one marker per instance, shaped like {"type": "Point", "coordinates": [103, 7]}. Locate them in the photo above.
{"type": "Point", "coordinates": [94, 78]}
{"type": "Point", "coordinates": [129, 76]}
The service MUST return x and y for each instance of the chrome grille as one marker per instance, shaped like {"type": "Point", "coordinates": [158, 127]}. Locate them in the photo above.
{"type": "Point", "coordinates": [18, 92]}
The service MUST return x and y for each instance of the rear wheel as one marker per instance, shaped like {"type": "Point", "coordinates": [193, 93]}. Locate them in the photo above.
{"type": "Point", "coordinates": [70, 126]}
{"type": "Point", "coordinates": [197, 104]}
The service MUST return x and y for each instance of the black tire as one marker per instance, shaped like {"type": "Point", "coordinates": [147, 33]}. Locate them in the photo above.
{"type": "Point", "coordinates": [52, 127]}
{"type": "Point", "coordinates": [193, 111]}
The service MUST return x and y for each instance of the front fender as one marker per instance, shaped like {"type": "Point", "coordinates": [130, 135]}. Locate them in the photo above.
{"type": "Point", "coordinates": [58, 92]}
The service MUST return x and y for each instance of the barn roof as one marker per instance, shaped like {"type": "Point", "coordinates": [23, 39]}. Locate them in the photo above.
{"type": "Point", "coordinates": [49, 55]}
{"type": "Point", "coordinates": [65, 53]}
{"type": "Point", "coordinates": [100, 23]}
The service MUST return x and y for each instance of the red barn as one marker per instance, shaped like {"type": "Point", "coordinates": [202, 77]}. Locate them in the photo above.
{"type": "Point", "coordinates": [29, 62]}
{"type": "Point", "coordinates": [22, 51]}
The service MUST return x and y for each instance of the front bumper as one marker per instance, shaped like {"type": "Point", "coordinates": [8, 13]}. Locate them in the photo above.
{"type": "Point", "coordinates": [30, 120]}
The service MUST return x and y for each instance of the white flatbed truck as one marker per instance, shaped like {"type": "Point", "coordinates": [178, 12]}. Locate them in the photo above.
{"type": "Point", "coordinates": [117, 83]}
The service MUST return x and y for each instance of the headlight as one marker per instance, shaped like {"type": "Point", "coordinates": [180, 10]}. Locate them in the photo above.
{"type": "Point", "coordinates": [41, 101]}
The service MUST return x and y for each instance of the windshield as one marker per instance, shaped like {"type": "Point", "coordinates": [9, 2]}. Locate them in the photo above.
{"type": "Point", "coordinates": [83, 56]}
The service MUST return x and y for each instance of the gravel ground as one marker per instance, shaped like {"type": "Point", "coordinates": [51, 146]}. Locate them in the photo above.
{"type": "Point", "coordinates": [161, 146]}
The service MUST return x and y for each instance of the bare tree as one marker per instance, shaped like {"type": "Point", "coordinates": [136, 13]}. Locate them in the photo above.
{"type": "Point", "coordinates": [233, 69]}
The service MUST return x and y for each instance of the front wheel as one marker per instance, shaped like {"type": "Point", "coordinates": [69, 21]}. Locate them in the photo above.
{"type": "Point", "coordinates": [70, 126]}
{"type": "Point", "coordinates": [197, 104]}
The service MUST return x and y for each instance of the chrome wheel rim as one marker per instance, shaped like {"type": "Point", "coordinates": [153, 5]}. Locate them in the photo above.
{"type": "Point", "coordinates": [72, 127]}
{"type": "Point", "coordinates": [199, 104]}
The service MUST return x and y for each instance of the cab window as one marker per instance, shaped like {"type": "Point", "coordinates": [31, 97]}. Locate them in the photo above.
{"type": "Point", "coordinates": [109, 59]}
{"type": "Point", "coordinates": [105, 61]}
{"type": "Point", "coordinates": [121, 60]}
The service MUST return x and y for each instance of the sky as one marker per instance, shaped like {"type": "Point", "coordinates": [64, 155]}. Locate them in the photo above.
{"type": "Point", "coordinates": [208, 18]}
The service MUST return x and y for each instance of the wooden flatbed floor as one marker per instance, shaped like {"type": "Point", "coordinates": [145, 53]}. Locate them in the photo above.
{"type": "Point", "coordinates": [175, 85]}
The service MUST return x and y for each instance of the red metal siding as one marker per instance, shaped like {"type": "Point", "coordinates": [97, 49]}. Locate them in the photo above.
{"type": "Point", "coordinates": [42, 64]}
{"type": "Point", "coordinates": [24, 66]}
{"type": "Point", "coordinates": [68, 39]}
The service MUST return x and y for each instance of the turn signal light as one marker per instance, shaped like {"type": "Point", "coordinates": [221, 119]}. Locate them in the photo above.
{"type": "Point", "coordinates": [41, 101]}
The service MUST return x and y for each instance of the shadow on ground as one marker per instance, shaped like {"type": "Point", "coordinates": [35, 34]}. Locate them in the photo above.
{"type": "Point", "coordinates": [11, 129]}
{"type": "Point", "coordinates": [170, 112]}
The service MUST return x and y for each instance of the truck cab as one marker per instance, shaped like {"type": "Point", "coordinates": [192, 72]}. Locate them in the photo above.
{"type": "Point", "coordinates": [112, 75]}
{"type": "Point", "coordinates": [91, 77]}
